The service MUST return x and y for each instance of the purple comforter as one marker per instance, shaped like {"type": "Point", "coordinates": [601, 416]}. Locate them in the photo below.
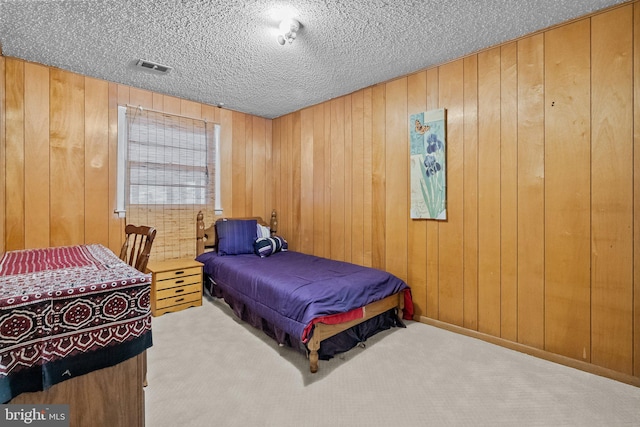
{"type": "Point", "coordinates": [290, 289]}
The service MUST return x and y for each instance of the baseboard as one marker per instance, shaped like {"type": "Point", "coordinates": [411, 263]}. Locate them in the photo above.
{"type": "Point", "coordinates": [536, 352]}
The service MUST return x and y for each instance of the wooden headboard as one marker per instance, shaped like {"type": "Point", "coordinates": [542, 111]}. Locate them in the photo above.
{"type": "Point", "coordinates": [206, 237]}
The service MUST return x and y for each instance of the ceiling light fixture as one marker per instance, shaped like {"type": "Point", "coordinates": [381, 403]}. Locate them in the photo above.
{"type": "Point", "coordinates": [288, 31]}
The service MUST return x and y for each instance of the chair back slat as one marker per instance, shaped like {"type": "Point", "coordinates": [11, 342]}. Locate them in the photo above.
{"type": "Point", "coordinates": [137, 246]}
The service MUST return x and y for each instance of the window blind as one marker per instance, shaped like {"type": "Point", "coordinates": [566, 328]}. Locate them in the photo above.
{"type": "Point", "coordinates": [169, 176]}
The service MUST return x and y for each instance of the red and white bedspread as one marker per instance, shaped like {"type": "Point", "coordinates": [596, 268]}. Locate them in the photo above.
{"type": "Point", "coordinates": [66, 311]}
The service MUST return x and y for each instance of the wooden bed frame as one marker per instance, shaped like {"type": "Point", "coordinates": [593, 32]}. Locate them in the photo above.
{"type": "Point", "coordinates": [205, 239]}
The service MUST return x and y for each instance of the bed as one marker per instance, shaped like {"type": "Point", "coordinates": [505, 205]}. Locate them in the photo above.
{"type": "Point", "coordinates": [318, 306]}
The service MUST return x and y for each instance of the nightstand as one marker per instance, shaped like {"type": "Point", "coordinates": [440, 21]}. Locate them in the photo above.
{"type": "Point", "coordinates": [176, 285]}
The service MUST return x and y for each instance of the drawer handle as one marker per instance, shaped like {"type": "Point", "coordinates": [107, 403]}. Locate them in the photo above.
{"type": "Point", "coordinates": [177, 291]}
{"type": "Point", "coordinates": [179, 272]}
{"type": "Point", "coordinates": [179, 281]}
{"type": "Point", "coordinates": [180, 299]}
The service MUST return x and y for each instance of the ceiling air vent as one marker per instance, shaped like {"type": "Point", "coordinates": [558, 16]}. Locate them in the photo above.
{"type": "Point", "coordinates": [153, 67]}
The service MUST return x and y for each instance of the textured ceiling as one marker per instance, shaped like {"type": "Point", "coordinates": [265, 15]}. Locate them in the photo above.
{"type": "Point", "coordinates": [225, 51]}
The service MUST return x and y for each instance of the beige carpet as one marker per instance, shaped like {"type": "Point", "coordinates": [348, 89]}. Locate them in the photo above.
{"type": "Point", "coordinates": [206, 368]}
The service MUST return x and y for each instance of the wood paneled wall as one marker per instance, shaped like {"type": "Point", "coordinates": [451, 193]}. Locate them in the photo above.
{"type": "Point", "coordinates": [59, 151]}
{"type": "Point", "coordinates": [542, 243]}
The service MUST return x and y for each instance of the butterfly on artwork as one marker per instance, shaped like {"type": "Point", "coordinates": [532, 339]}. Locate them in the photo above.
{"type": "Point", "coordinates": [420, 128]}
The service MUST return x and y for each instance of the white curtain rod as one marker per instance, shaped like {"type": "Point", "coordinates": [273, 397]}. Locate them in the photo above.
{"type": "Point", "coordinates": [140, 107]}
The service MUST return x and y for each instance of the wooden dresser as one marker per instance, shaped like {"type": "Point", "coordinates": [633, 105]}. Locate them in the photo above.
{"type": "Point", "coordinates": [176, 285]}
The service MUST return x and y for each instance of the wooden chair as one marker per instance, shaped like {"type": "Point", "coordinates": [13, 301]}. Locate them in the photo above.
{"type": "Point", "coordinates": [137, 246]}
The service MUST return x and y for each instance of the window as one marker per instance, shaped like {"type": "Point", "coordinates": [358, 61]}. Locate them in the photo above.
{"type": "Point", "coordinates": [167, 161]}
{"type": "Point", "coordinates": [168, 170]}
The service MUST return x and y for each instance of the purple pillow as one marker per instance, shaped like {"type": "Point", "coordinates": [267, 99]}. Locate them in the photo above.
{"type": "Point", "coordinates": [236, 236]}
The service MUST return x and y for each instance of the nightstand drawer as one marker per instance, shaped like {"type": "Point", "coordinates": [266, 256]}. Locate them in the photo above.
{"type": "Point", "coordinates": [180, 299]}
{"type": "Point", "coordinates": [173, 274]}
{"type": "Point", "coordinates": [178, 281]}
{"type": "Point", "coordinates": [176, 284]}
{"type": "Point", "coordinates": [180, 290]}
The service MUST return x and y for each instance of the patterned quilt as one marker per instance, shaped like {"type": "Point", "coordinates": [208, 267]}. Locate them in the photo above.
{"type": "Point", "coordinates": [66, 311]}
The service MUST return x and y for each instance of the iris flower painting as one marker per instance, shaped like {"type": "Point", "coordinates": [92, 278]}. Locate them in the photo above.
{"type": "Point", "coordinates": [428, 165]}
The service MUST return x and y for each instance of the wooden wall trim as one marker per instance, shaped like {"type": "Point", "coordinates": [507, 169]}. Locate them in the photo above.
{"type": "Point", "coordinates": [532, 351]}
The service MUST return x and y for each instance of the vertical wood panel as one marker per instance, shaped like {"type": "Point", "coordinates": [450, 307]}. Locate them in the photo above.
{"type": "Point", "coordinates": [283, 172]}
{"type": "Point", "coordinates": [67, 158]}
{"type": "Point", "coordinates": [288, 172]}
{"type": "Point", "coordinates": [36, 150]}
{"type": "Point", "coordinates": [171, 104]}
{"type": "Point", "coordinates": [531, 191]}
{"type": "Point", "coordinates": [612, 190]}
{"type": "Point", "coordinates": [348, 177]}
{"type": "Point", "coordinates": [190, 109]}
{"type": "Point", "coordinates": [248, 162]}
{"type": "Point", "coordinates": [397, 200]}
{"type": "Point", "coordinates": [96, 161]}
{"type": "Point", "coordinates": [357, 168]}
{"type": "Point", "coordinates": [14, 150]}
{"type": "Point", "coordinates": [470, 203]}
{"type": "Point", "coordinates": [116, 225]}
{"type": "Point", "coordinates": [157, 101]}
{"type": "Point", "coordinates": [431, 243]}
{"type": "Point", "coordinates": [211, 114]}
{"type": "Point", "coordinates": [307, 173]}
{"type": "Point", "coordinates": [417, 229]}
{"type": "Point", "coordinates": [318, 180]}
{"type": "Point", "coordinates": [489, 192]}
{"type": "Point", "coordinates": [295, 178]}
{"type": "Point", "coordinates": [123, 97]}
{"type": "Point", "coordinates": [567, 186]}
{"type": "Point", "coordinates": [508, 192]}
{"type": "Point", "coordinates": [367, 159]}
{"type": "Point", "coordinates": [226, 160]}
{"type": "Point", "coordinates": [286, 222]}
{"type": "Point", "coordinates": [269, 170]}
{"type": "Point", "coordinates": [636, 190]}
{"type": "Point", "coordinates": [258, 167]}
{"type": "Point", "coordinates": [451, 238]}
{"type": "Point", "coordinates": [185, 216]}
{"type": "Point", "coordinates": [326, 223]}
{"type": "Point", "coordinates": [277, 137]}
{"type": "Point", "coordinates": [337, 181]}
{"type": "Point", "coordinates": [238, 160]}
{"type": "Point", "coordinates": [378, 188]}
{"type": "Point", "coordinates": [141, 98]}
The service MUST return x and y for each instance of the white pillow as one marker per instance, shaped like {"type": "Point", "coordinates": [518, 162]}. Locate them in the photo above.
{"type": "Point", "coordinates": [263, 231]}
